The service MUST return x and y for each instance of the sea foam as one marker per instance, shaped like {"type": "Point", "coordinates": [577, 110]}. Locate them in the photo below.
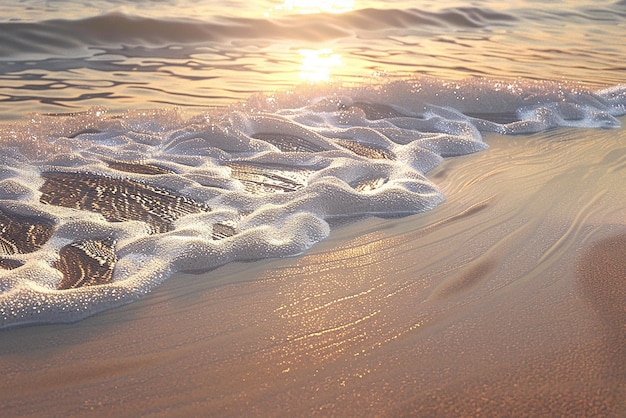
{"type": "Point", "coordinates": [262, 179]}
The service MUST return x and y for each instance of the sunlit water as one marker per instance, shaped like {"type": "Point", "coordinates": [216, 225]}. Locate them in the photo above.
{"type": "Point", "coordinates": [66, 56]}
{"type": "Point", "coordinates": [159, 137]}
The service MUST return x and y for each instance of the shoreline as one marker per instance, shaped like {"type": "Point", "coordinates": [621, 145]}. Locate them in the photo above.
{"type": "Point", "coordinates": [487, 304]}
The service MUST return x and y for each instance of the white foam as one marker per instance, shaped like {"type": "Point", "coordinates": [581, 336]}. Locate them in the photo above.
{"type": "Point", "coordinates": [413, 124]}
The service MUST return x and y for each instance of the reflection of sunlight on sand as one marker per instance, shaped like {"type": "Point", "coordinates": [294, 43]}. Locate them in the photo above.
{"type": "Point", "coordinates": [317, 64]}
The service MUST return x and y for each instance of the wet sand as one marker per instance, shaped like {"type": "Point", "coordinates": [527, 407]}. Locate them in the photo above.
{"type": "Point", "coordinates": [507, 300]}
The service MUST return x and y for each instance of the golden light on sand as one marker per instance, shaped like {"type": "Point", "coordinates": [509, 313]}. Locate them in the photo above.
{"type": "Point", "coordinates": [318, 64]}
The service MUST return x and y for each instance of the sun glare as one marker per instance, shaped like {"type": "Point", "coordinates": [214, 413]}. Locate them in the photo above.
{"type": "Point", "coordinates": [318, 64]}
{"type": "Point", "coordinates": [317, 6]}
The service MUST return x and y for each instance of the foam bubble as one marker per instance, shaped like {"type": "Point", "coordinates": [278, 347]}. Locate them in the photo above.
{"type": "Point", "coordinates": [263, 180]}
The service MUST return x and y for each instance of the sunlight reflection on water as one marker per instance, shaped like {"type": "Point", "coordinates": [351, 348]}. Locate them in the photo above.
{"type": "Point", "coordinates": [65, 58]}
{"type": "Point", "coordinates": [316, 6]}
{"type": "Point", "coordinates": [318, 64]}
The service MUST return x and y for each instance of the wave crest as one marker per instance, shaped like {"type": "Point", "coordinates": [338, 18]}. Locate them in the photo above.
{"type": "Point", "coordinates": [116, 28]}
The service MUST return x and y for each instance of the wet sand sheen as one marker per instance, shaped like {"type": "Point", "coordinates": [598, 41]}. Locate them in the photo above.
{"type": "Point", "coordinates": [495, 302]}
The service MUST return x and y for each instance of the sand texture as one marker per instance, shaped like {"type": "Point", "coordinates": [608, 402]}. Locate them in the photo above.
{"type": "Point", "coordinates": [506, 300]}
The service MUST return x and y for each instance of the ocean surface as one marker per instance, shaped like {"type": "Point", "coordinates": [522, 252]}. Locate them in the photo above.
{"type": "Point", "coordinates": [142, 139]}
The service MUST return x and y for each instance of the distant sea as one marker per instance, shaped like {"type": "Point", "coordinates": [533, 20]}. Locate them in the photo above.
{"type": "Point", "coordinates": [64, 55]}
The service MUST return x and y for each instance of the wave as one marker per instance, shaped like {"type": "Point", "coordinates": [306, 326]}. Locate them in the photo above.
{"type": "Point", "coordinates": [118, 28]}
{"type": "Point", "coordinates": [99, 209]}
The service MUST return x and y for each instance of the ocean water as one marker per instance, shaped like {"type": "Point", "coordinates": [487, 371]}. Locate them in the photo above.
{"type": "Point", "coordinates": [148, 138]}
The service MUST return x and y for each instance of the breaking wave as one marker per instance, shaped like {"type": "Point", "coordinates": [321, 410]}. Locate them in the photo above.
{"type": "Point", "coordinates": [98, 209]}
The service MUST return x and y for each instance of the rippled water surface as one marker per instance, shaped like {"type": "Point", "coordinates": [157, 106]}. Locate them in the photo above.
{"type": "Point", "coordinates": [66, 56]}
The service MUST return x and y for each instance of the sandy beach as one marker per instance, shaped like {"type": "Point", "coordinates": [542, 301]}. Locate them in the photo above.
{"type": "Point", "coordinates": [506, 300]}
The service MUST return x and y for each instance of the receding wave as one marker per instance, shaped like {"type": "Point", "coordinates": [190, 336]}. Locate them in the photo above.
{"type": "Point", "coordinates": [98, 209]}
{"type": "Point", "coordinates": [118, 28]}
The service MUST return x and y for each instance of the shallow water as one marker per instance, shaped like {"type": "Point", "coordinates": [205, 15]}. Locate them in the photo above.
{"type": "Point", "coordinates": [99, 210]}
{"type": "Point", "coordinates": [284, 122]}
{"type": "Point", "coordinates": [504, 300]}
